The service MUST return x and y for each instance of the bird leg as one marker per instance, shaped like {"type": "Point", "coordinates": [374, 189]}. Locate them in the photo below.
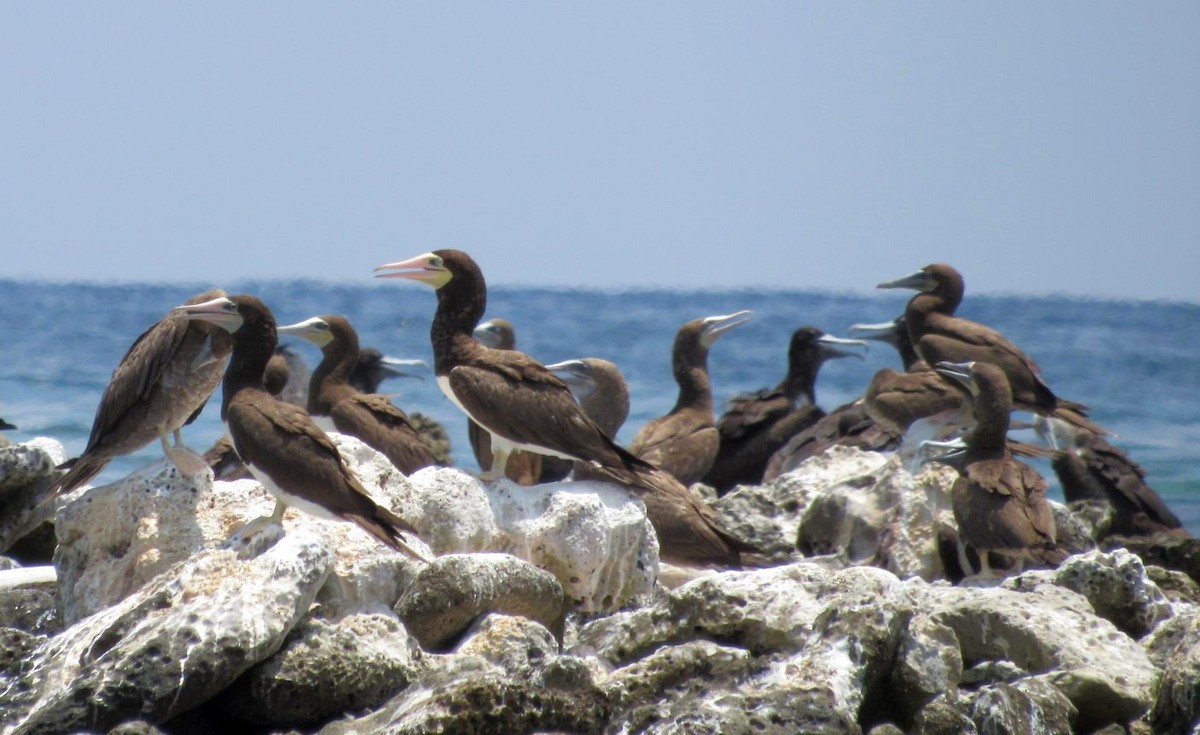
{"type": "Point", "coordinates": [499, 462]}
{"type": "Point", "coordinates": [256, 526]}
{"type": "Point", "coordinates": [187, 462]}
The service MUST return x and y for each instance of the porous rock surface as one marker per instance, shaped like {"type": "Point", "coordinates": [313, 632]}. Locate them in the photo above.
{"type": "Point", "coordinates": [315, 626]}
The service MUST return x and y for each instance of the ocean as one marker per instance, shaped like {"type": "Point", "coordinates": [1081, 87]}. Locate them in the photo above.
{"type": "Point", "coordinates": [1136, 363]}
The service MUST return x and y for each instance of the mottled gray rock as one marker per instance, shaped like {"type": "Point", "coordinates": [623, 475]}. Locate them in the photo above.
{"type": "Point", "coordinates": [113, 539]}
{"type": "Point", "coordinates": [178, 641]}
{"type": "Point", "coordinates": [1175, 649]}
{"type": "Point", "coordinates": [1030, 706]}
{"type": "Point", "coordinates": [879, 514]}
{"type": "Point", "coordinates": [1177, 586]}
{"type": "Point", "coordinates": [25, 472]}
{"type": "Point", "coordinates": [1072, 533]}
{"type": "Point", "coordinates": [593, 536]}
{"type": "Point", "coordinates": [454, 590]}
{"type": "Point", "coordinates": [469, 693]}
{"type": "Point", "coordinates": [946, 714]}
{"type": "Point", "coordinates": [31, 610]}
{"type": "Point", "coordinates": [1116, 585]}
{"type": "Point", "coordinates": [928, 664]}
{"type": "Point", "coordinates": [1106, 675]}
{"type": "Point", "coordinates": [326, 668]}
{"type": "Point", "coordinates": [1166, 551]}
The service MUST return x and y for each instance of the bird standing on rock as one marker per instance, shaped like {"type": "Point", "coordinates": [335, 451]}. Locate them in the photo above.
{"type": "Point", "coordinates": [758, 425]}
{"type": "Point", "coordinates": [160, 385]}
{"type": "Point", "coordinates": [999, 503]}
{"type": "Point", "coordinates": [278, 441]}
{"type": "Point", "coordinates": [523, 405]}
{"type": "Point", "coordinates": [684, 442]}
{"type": "Point", "coordinates": [336, 405]}
{"type": "Point", "coordinates": [523, 468]}
{"type": "Point", "coordinates": [514, 397]}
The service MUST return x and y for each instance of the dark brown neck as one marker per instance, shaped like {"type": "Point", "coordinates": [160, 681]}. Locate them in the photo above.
{"type": "Point", "coordinates": [330, 382]}
{"type": "Point", "coordinates": [461, 304]}
{"type": "Point", "coordinates": [253, 346]}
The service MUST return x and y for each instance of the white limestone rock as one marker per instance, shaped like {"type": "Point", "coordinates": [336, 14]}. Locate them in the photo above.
{"type": "Point", "coordinates": [26, 470]}
{"type": "Point", "coordinates": [171, 645]}
{"type": "Point", "coordinates": [593, 536]}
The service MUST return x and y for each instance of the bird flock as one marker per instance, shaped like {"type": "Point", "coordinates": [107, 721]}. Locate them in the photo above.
{"type": "Point", "coordinates": [532, 423]}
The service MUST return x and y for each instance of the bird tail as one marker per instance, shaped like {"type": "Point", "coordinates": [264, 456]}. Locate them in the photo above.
{"type": "Point", "coordinates": [1025, 449]}
{"type": "Point", "coordinates": [1075, 414]}
{"type": "Point", "coordinates": [387, 527]}
{"type": "Point", "coordinates": [1050, 555]}
{"type": "Point", "coordinates": [80, 471]}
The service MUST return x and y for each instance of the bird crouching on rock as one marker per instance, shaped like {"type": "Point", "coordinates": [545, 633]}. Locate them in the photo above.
{"type": "Point", "coordinates": [279, 442]}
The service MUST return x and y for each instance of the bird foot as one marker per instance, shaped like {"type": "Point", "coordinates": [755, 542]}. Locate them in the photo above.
{"type": "Point", "coordinates": [255, 537]}
{"type": "Point", "coordinates": [186, 461]}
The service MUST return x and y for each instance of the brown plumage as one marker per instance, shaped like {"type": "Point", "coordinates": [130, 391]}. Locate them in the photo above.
{"type": "Point", "coordinates": [1089, 467]}
{"type": "Point", "coordinates": [939, 336]}
{"type": "Point", "coordinates": [685, 441]}
{"type": "Point", "coordinates": [371, 417]}
{"type": "Point", "coordinates": [523, 468]}
{"type": "Point", "coordinates": [279, 442]}
{"type": "Point", "coordinates": [687, 529]}
{"type": "Point", "coordinates": [521, 403]}
{"type": "Point", "coordinates": [757, 425]}
{"type": "Point", "coordinates": [1000, 503]}
{"type": "Point", "coordinates": [221, 457]}
{"type": "Point", "coordinates": [160, 385]}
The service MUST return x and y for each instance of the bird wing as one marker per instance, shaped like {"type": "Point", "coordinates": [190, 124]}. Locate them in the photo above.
{"type": "Point", "coordinates": [383, 426]}
{"type": "Point", "coordinates": [139, 371]}
{"type": "Point", "coordinates": [530, 407]}
{"type": "Point", "coordinates": [266, 434]}
{"type": "Point", "coordinates": [1007, 505]}
{"type": "Point", "coordinates": [680, 443]}
{"type": "Point", "coordinates": [751, 412]}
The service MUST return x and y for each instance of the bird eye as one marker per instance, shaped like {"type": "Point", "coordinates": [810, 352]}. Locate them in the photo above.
{"type": "Point", "coordinates": [435, 262]}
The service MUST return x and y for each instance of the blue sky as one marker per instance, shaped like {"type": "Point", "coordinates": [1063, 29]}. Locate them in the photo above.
{"type": "Point", "coordinates": [1040, 148]}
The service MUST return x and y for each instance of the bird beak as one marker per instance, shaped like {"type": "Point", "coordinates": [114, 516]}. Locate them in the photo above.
{"type": "Point", "coordinates": [577, 374]}
{"type": "Point", "coordinates": [884, 331]}
{"type": "Point", "coordinates": [219, 311]}
{"type": "Point", "coordinates": [315, 330]}
{"type": "Point", "coordinates": [935, 451]}
{"type": "Point", "coordinates": [837, 346]}
{"type": "Point", "coordinates": [959, 372]}
{"type": "Point", "coordinates": [715, 326]}
{"type": "Point", "coordinates": [396, 367]}
{"type": "Point", "coordinates": [919, 281]}
{"type": "Point", "coordinates": [427, 268]}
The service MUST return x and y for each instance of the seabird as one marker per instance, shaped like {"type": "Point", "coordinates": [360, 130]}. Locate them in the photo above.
{"type": "Point", "coordinates": [221, 457]}
{"type": "Point", "coordinates": [278, 441]}
{"type": "Point", "coordinates": [523, 468]}
{"type": "Point", "coordinates": [371, 417]}
{"type": "Point", "coordinates": [999, 503]}
{"type": "Point", "coordinates": [1091, 468]}
{"type": "Point", "coordinates": [5, 426]}
{"type": "Point", "coordinates": [521, 403]}
{"type": "Point", "coordinates": [939, 336]}
{"type": "Point", "coordinates": [757, 425]}
{"type": "Point", "coordinates": [160, 385]}
{"type": "Point", "coordinates": [684, 442]}
{"type": "Point", "coordinates": [687, 531]}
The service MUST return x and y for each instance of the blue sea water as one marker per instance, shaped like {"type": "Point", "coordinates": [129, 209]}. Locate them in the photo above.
{"type": "Point", "coordinates": [1137, 364]}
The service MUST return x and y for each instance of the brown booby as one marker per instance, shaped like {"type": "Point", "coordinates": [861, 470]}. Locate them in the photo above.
{"type": "Point", "coordinates": [1091, 468]}
{"type": "Point", "coordinates": [278, 441]}
{"type": "Point", "coordinates": [687, 531]}
{"type": "Point", "coordinates": [895, 399]}
{"type": "Point", "coordinates": [999, 503]}
{"type": "Point", "coordinates": [521, 403]}
{"type": "Point", "coordinates": [160, 385]}
{"type": "Point", "coordinates": [523, 468]}
{"type": "Point", "coordinates": [684, 442]}
{"type": "Point", "coordinates": [939, 336]}
{"type": "Point", "coordinates": [221, 457]}
{"type": "Point", "coordinates": [758, 425]}
{"type": "Point", "coordinates": [601, 390]}
{"type": "Point", "coordinates": [371, 417]}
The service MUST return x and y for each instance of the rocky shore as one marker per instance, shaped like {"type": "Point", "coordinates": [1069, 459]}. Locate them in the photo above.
{"type": "Point", "coordinates": [546, 609]}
